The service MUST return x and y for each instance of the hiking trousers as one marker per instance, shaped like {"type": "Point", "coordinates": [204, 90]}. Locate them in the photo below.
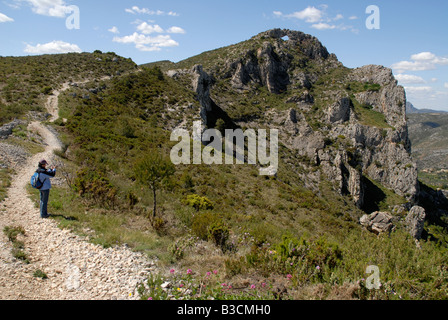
{"type": "Point", "coordinates": [44, 196]}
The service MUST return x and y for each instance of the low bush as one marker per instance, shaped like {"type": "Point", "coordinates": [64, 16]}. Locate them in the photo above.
{"type": "Point", "coordinates": [198, 202]}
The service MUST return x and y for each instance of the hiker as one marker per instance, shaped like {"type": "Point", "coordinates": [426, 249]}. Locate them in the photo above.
{"type": "Point", "coordinates": [44, 176]}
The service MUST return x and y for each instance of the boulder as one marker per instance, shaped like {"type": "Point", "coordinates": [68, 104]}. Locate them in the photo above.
{"type": "Point", "coordinates": [377, 222]}
{"type": "Point", "coordinates": [415, 222]}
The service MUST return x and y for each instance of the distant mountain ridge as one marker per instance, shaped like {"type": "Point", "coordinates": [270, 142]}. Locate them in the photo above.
{"type": "Point", "coordinates": [429, 136]}
{"type": "Point", "coordinates": [410, 109]}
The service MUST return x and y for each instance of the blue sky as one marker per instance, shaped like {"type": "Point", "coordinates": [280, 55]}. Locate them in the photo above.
{"type": "Point", "coordinates": [411, 39]}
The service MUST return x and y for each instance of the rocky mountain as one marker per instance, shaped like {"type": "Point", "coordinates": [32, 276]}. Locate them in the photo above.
{"type": "Point", "coordinates": [429, 136]}
{"type": "Point", "coordinates": [345, 173]}
{"type": "Point", "coordinates": [410, 109]}
{"type": "Point", "coordinates": [351, 123]}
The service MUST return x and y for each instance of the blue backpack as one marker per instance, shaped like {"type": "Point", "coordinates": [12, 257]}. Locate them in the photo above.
{"type": "Point", "coordinates": [35, 181]}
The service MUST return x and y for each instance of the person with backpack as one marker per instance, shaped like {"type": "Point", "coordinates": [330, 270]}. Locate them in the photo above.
{"type": "Point", "coordinates": [43, 183]}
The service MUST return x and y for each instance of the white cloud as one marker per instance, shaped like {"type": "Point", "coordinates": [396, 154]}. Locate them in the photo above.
{"type": "Point", "coordinates": [5, 18]}
{"type": "Point", "coordinates": [418, 90]}
{"type": "Point", "coordinates": [310, 14]}
{"type": "Point", "coordinates": [146, 28]}
{"type": "Point", "coordinates": [144, 38]}
{"type": "Point", "coordinates": [420, 62]}
{"type": "Point", "coordinates": [338, 17]}
{"type": "Point", "coordinates": [137, 10]}
{"type": "Point", "coordinates": [52, 8]}
{"type": "Point", "coordinates": [114, 29]}
{"type": "Point", "coordinates": [147, 43]}
{"type": "Point", "coordinates": [323, 26]}
{"type": "Point", "coordinates": [353, 18]}
{"type": "Point", "coordinates": [52, 48]}
{"type": "Point", "coordinates": [423, 56]}
{"type": "Point", "coordinates": [446, 85]}
{"type": "Point", "coordinates": [319, 18]}
{"type": "Point", "coordinates": [409, 79]}
{"type": "Point", "coordinates": [175, 29]}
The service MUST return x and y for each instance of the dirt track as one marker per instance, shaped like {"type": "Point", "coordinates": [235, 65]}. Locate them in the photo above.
{"type": "Point", "coordinates": [76, 269]}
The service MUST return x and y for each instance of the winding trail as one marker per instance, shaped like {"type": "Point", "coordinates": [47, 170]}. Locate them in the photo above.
{"type": "Point", "coordinates": [76, 269]}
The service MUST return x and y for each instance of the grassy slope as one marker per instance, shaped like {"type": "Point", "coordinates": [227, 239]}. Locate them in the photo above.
{"type": "Point", "coordinates": [26, 81]}
{"type": "Point", "coordinates": [106, 134]}
{"type": "Point", "coordinates": [258, 211]}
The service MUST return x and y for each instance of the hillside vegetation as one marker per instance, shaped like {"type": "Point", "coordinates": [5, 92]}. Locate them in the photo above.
{"type": "Point", "coordinates": [26, 81]}
{"type": "Point", "coordinates": [428, 132]}
{"type": "Point", "coordinates": [224, 231]}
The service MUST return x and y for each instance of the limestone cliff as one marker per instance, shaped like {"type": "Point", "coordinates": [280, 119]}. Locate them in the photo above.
{"type": "Point", "coordinates": [348, 123]}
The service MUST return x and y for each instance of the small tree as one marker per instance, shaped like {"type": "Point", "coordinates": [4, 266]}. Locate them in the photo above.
{"type": "Point", "coordinates": [151, 171]}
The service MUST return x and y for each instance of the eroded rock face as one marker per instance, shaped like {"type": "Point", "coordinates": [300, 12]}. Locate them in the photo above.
{"type": "Point", "coordinates": [210, 112]}
{"type": "Point", "coordinates": [382, 153]}
{"type": "Point", "coordinates": [7, 129]}
{"type": "Point", "coordinates": [264, 67]}
{"type": "Point", "coordinates": [415, 222]}
{"type": "Point", "coordinates": [340, 111]}
{"type": "Point", "coordinates": [271, 64]}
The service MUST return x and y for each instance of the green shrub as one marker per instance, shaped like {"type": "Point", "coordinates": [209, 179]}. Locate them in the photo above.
{"type": "Point", "coordinates": [13, 232]}
{"type": "Point", "coordinates": [40, 274]}
{"type": "Point", "coordinates": [219, 233]}
{"type": "Point", "coordinates": [186, 181]}
{"type": "Point", "coordinates": [198, 202]}
{"type": "Point", "coordinates": [93, 185]}
{"type": "Point", "coordinates": [177, 249]}
{"type": "Point", "coordinates": [20, 255]}
{"type": "Point", "coordinates": [305, 260]}
{"type": "Point", "coordinates": [201, 223]}
{"type": "Point", "coordinates": [47, 90]}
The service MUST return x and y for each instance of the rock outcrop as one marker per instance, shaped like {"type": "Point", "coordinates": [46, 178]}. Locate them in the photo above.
{"type": "Point", "coordinates": [322, 123]}
{"type": "Point", "coordinates": [415, 222]}
{"type": "Point", "coordinates": [377, 222]}
{"type": "Point", "coordinates": [7, 129]}
{"type": "Point", "coordinates": [210, 112]}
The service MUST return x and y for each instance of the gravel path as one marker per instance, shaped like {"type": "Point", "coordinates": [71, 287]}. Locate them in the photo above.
{"type": "Point", "coordinates": [76, 269]}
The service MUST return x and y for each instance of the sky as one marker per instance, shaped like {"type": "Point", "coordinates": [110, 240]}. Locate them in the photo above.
{"type": "Point", "coordinates": [410, 37]}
